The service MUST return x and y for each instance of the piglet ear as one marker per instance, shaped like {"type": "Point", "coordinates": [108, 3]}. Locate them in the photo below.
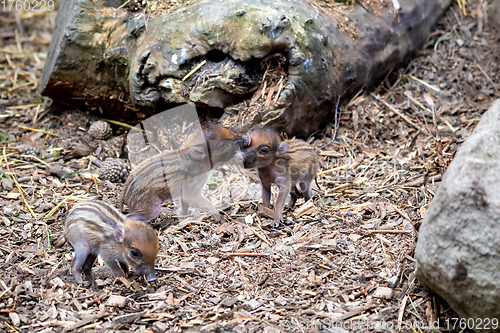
{"type": "Point", "coordinates": [282, 148]}
{"type": "Point", "coordinates": [247, 141]}
{"type": "Point", "coordinates": [197, 153]}
{"type": "Point", "coordinates": [119, 233]}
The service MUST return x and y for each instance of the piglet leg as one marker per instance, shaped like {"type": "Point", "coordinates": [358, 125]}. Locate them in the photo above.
{"type": "Point", "coordinates": [197, 199]}
{"type": "Point", "coordinates": [294, 194]}
{"type": "Point", "coordinates": [87, 269]}
{"type": "Point", "coordinates": [82, 252]}
{"type": "Point", "coordinates": [284, 189]}
{"type": "Point", "coordinates": [184, 207]}
{"type": "Point", "coordinates": [111, 260]}
{"type": "Point", "coordinates": [305, 188]}
{"type": "Point", "coordinates": [266, 193]}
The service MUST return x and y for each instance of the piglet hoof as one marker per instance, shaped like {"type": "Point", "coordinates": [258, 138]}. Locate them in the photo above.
{"type": "Point", "coordinates": [77, 274]}
{"type": "Point", "coordinates": [151, 277]}
{"type": "Point", "coordinates": [218, 218]}
{"type": "Point", "coordinates": [276, 223]}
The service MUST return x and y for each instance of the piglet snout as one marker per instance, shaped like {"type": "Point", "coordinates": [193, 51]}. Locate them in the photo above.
{"type": "Point", "coordinates": [151, 277]}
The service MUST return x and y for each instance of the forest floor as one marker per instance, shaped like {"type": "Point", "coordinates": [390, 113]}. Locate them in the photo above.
{"type": "Point", "coordinates": [346, 261]}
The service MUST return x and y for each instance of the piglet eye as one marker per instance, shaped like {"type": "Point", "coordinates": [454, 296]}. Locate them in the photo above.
{"type": "Point", "coordinates": [134, 253]}
{"type": "Point", "coordinates": [264, 150]}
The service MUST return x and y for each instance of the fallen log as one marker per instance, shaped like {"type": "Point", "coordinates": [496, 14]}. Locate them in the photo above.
{"type": "Point", "coordinates": [220, 53]}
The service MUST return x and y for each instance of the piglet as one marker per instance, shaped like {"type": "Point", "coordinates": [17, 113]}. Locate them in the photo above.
{"type": "Point", "coordinates": [179, 174]}
{"type": "Point", "coordinates": [292, 165]}
{"type": "Point", "coordinates": [95, 227]}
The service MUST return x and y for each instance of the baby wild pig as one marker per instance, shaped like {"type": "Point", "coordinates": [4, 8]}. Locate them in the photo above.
{"type": "Point", "coordinates": [179, 174]}
{"type": "Point", "coordinates": [291, 165]}
{"type": "Point", "coordinates": [95, 227]}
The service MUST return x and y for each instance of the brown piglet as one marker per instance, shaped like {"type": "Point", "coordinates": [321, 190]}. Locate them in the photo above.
{"type": "Point", "coordinates": [292, 165]}
{"type": "Point", "coordinates": [94, 227]}
{"type": "Point", "coordinates": [179, 174]}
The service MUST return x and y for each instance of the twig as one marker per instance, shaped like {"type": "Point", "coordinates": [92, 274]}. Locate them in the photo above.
{"type": "Point", "coordinates": [36, 113]}
{"type": "Point", "coordinates": [402, 311]}
{"type": "Point", "coordinates": [12, 328]}
{"type": "Point", "coordinates": [194, 70]}
{"type": "Point", "coordinates": [279, 89]}
{"type": "Point", "coordinates": [464, 10]}
{"type": "Point", "coordinates": [159, 315]}
{"type": "Point", "coordinates": [46, 137]}
{"type": "Point", "coordinates": [487, 77]}
{"type": "Point", "coordinates": [18, 186]}
{"type": "Point", "coordinates": [38, 130]}
{"type": "Point", "coordinates": [403, 214]}
{"type": "Point", "coordinates": [89, 326]}
{"type": "Point", "coordinates": [78, 172]}
{"type": "Point", "coordinates": [18, 42]}
{"type": "Point", "coordinates": [33, 256]}
{"type": "Point", "coordinates": [306, 220]}
{"type": "Point", "coordinates": [450, 126]}
{"type": "Point", "coordinates": [20, 86]}
{"type": "Point", "coordinates": [8, 310]}
{"type": "Point", "coordinates": [336, 118]}
{"type": "Point", "coordinates": [18, 107]}
{"type": "Point", "coordinates": [417, 103]}
{"type": "Point", "coordinates": [58, 205]}
{"type": "Point", "coordinates": [269, 97]}
{"type": "Point", "coordinates": [95, 182]}
{"type": "Point", "coordinates": [428, 85]}
{"type": "Point", "coordinates": [36, 158]}
{"type": "Point", "coordinates": [414, 308]}
{"type": "Point", "coordinates": [256, 233]}
{"type": "Point", "coordinates": [244, 254]}
{"type": "Point", "coordinates": [384, 231]}
{"type": "Point", "coordinates": [5, 291]}
{"type": "Point", "coordinates": [119, 123]}
{"type": "Point", "coordinates": [382, 241]}
{"type": "Point", "coordinates": [345, 166]}
{"type": "Point", "coordinates": [124, 4]}
{"type": "Point", "coordinates": [254, 319]}
{"type": "Point", "coordinates": [402, 116]}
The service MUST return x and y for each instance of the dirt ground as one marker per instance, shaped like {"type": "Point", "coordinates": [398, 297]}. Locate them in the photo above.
{"type": "Point", "coordinates": [344, 262]}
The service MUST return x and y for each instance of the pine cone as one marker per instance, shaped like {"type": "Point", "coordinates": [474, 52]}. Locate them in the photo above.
{"type": "Point", "coordinates": [30, 150]}
{"type": "Point", "coordinates": [100, 130]}
{"type": "Point", "coordinates": [114, 170]}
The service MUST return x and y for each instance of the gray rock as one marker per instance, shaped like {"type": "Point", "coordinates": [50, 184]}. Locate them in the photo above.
{"type": "Point", "coordinates": [229, 301]}
{"type": "Point", "coordinates": [281, 300]}
{"type": "Point", "coordinates": [7, 184]}
{"type": "Point", "coordinates": [253, 304]}
{"type": "Point", "coordinates": [214, 300]}
{"type": "Point", "coordinates": [117, 301]}
{"type": "Point", "coordinates": [15, 319]}
{"type": "Point", "coordinates": [383, 292]}
{"type": "Point", "coordinates": [458, 250]}
{"type": "Point", "coordinates": [160, 327]}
